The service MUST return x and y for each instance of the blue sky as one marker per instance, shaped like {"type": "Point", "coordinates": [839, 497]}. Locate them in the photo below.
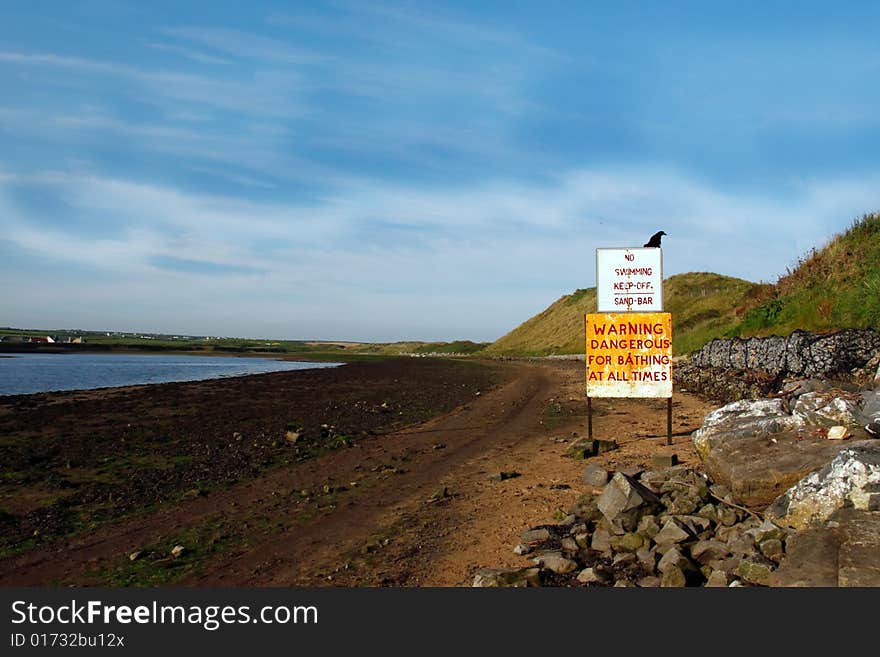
{"type": "Point", "coordinates": [403, 170]}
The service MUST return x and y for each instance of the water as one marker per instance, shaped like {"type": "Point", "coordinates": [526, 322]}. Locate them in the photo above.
{"type": "Point", "coordinates": [28, 373]}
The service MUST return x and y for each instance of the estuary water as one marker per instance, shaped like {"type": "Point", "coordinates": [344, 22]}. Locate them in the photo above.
{"type": "Point", "coordinates": [22, 374]}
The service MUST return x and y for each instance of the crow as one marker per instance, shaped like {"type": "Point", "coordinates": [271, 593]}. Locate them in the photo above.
{"type": "Point", "coordinates": [654, 242]}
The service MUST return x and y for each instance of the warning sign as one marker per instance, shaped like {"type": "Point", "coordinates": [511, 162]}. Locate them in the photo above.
{"type": "Point", "coordinates": [629, 280]}
{"type": "Point", "coordinates": [629, 355]}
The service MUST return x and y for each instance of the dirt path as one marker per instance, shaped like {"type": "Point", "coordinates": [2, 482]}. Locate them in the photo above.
{"type": "Point", "coordinates": [372, 514]}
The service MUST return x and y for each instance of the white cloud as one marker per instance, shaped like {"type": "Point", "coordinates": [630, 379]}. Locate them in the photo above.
{"type": "Point", "coordinates": [465, 261]}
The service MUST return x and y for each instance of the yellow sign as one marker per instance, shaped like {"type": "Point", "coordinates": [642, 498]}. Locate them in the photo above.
{"type": "Point", "coordinates": [629, 355]}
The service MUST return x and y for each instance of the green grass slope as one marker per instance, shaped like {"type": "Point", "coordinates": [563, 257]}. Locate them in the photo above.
{"type": "Point", "coordinates": [703, 306]}
{"type": "Point", "coordinates": [835, 287]}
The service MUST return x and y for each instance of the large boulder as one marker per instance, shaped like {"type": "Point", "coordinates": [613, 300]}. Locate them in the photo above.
{"type": "Point", "coordinates": [743, 419]}
{"type": "Point", "coordinates": [852, 478]}
{"type": "Point", "coordinates": [760, 448]}
{"type": "Point", "coordinates": [844, 551]}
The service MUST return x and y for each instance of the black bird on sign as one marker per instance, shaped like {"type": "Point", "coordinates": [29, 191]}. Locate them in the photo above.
{"type": "Point", "coordinates": [655, 239]}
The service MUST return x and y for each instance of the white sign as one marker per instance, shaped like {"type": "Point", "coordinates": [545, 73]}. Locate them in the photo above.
{"type": "Point", "coordinates": [629, 280]}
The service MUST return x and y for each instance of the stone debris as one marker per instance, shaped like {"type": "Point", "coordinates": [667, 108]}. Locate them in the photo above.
{"type": "Point", "coordinates": [504, 476]}
{"type": "Point", "coordinates": [631, 534]}
{"type": "Point", "coordinates": [507, 577]}
{"type": "Point", "coordinates": [586, 448]}
{"type": "Point", "coordinates": [595, 475]}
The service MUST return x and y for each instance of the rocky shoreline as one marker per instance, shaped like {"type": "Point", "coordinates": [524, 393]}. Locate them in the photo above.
{"type": "Point", "coordinates": [788, 493]}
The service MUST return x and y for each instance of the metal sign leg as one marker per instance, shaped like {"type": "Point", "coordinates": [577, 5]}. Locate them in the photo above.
{"type": "Point", "coordinates": [589, 418]}
{"type": "Point", "coordinates": [669, 420]}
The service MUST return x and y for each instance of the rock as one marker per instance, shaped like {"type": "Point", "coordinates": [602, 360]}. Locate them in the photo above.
{"type": "Point", "coordinates": [767, 530]}
{"type": "Point", "coordinates": [583, 540]}
{"type": "Point", "coordinates": [709, 550]}
{"type": "Point", "coordinates": [721, 492]}
{"type": "Point", "coordinates": [684, 504]}
{"type": "Point", "coordinates": [503, 476]}
{"type": "Point", "coordinates": [569, 544]}
{"type": "Point", "coordinates": [648, 526]}
{"type": "Point", "coordinates": [624, 500]}
{"type": "Point", "coordinates": [648, 582]}
{"type": "Point", "coordinates": [586, 448]}
{"type": "Point", "coordinates": [595, 475]}
{"type": "Point", "coordinates": [740, 543]}
{"type": "Point", "coordinates": [830, 407]}
{"type": "Point", "coordinates": [292, 437]}
{"type": "Point", "coordinates": [601, 541]}
{"type": "Point", "coordinates": [507, 577]}
{"type": "Point", "coordinates": [758, 469]}
{"type": "Point", "coordinates": [586, 508]}
{"type": "Point", "coordinates": [838, 433]}
{"type": "Point", "coordinates": [844, 551]}
{"type": "Point", "coordinates": [648, 560]}
{"type": "Point", "coordinates": [798, 387]}
{"type": "Point", "coordinates": [623, 584]}
{"type": "Point", "coordinates": [673, 558]}
{"type": "Point", "coordinates": [849, 479]}
{"type": "Point", "coordinates": [522, 549]}
{"type": "Point", "coordinates": [727, 516]}
{"type": "Point", "coordinates": [744, 418]}
{"type": "Point", "coordinates": [629, 542]}
{"type": "Point", "coordinates": [694, 524]}
{"type": "Point", "coordinates": [623, 560]}
{"type": "Point", "coordinates": [603, 446]}
{"type": "Point", "coordinates": [178, 551]}
{"type": "Point", "coordinates": [673, 578]}
{"type": "Point", "coordinates": [754, 571]}
{"type": "Point", "coordinates": [555, 562]}
{"type": "Point", "coordinates": [664, 460]}
{"type": "Point", "coordinates": [535, 535]}
{"type": "Point", "coordinates": [716, 579]}
{"type": "Point", "coordinates": [583, 449]}
{"type": "Point", "coordinates": [671, 534]}
{"type": "Point", "coordinates": [772, 549]}
{"type": "Point", "coordinates": [592, 576]}
{"type": "Point", "coordinates": [134, 556]}
{"type": "Point", "coordinates": [441, 493]}
{"type": "Point", "coordinates": [708, 512]}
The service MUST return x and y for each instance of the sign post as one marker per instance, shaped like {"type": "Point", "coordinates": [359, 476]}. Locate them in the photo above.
{"type": "Point", "coordinates": [629, 341]}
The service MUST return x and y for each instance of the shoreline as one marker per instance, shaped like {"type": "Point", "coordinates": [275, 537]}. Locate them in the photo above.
{"type": "Point", "coordinates": [75, 461]}
{"type": "Point", "coordinates": [129, 386]}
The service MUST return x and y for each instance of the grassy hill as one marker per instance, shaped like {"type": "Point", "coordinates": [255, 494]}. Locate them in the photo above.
{"type": "Point", "coordinates": [703, 306]}
{"type": "Point", "coordinates": [837, 286]}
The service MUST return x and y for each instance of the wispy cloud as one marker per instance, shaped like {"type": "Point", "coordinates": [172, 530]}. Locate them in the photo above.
{"type": "Point", "coordinates": [514, 246]}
